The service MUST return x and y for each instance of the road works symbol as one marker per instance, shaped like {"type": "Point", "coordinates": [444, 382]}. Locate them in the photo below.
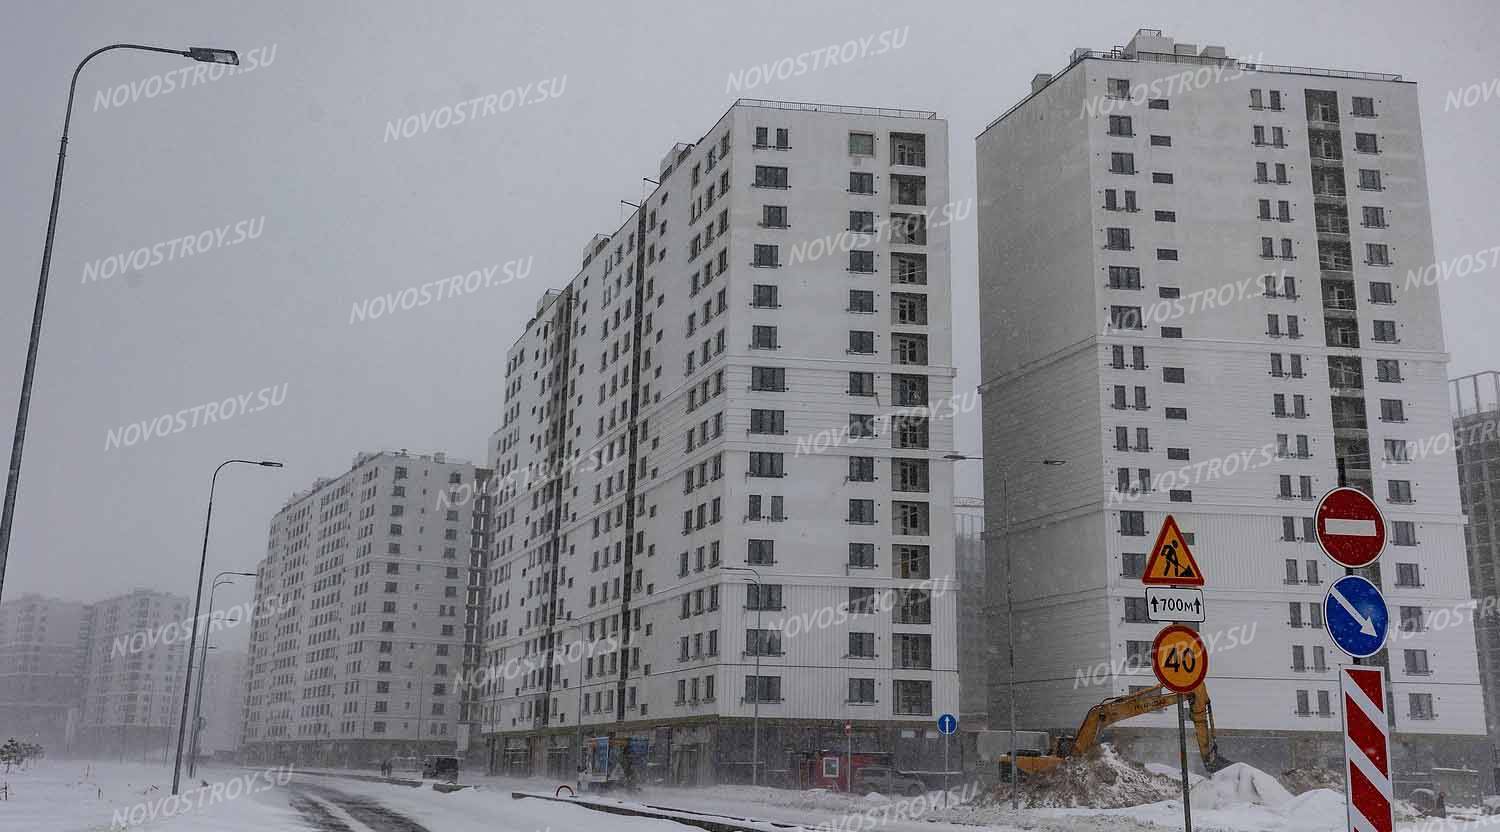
{"type": "Point", "coordinates": [1179, 658]}
{"type": "Point", "coordinates": [1367, 750]}
{"type": "Point", "coordinates": [1350, 528]}
{"type": "Point", "coordinates": [1171, 562]}
{"type": "Point", "coordinates": [1356, 616]}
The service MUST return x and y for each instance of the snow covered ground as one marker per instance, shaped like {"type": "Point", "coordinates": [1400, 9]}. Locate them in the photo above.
{"type": "Point", "coordinates": [66, 796]}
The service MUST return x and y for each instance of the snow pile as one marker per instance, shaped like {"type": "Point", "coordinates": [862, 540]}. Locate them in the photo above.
{"type": "Point", "coordinates": [1099, 779]}
{"type": "Point", "coordinates": [1307, 778]}
{"type": "Point", "coordinates": [1237, 784]}
{"type": "Point", "coordinates": [1173, 772]}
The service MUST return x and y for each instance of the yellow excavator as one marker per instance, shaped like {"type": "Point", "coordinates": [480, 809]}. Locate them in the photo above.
{"type": "Point", "coordinates": [1116, 709]}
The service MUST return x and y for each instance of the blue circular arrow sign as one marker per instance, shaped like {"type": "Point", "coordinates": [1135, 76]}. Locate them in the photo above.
{"type": "Point", "coordinates": [947, 724]}
{"type": "Point", "coordinates": [1356, 615]}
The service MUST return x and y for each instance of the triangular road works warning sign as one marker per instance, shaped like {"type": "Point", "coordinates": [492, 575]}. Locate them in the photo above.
{"type": "Point", "coordinates": [1171, 562]}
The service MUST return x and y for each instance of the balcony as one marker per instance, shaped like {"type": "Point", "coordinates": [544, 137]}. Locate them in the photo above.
{"type": "Point", "coordinates": [1343, 334]}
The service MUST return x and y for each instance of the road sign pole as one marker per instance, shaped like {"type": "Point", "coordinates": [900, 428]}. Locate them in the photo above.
{"type": "Point", "coordinates": [945, 771]}
{"type": "Point", "coordinates": [1187, 806]}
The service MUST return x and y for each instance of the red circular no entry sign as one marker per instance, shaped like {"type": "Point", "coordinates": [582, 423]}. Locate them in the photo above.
{"type": "Point", "coordinates": [1351, 530]}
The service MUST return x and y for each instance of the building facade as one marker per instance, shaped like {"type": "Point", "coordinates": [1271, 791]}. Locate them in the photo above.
{"type": "Point", "coordinates": [1193, 289]}
{"type": "Point", "coordinates": [1476, 442]}
{"type": "Point", "coordinates": [223, 709]}
{"type": "Point", "coordinates": [136, 669]}
{"type": "Point", "coordinates": [362, 616]}
{"type": "Point", "coordinates": [43, 663]}
{"type": "Point", "coordinates": [721, 500]}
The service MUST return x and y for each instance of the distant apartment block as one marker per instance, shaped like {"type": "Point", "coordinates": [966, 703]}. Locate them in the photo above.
{"type": "Point", "coordinates": [43, 662]}
{"type": "Point", "coordinates": [1192, 288]}
{"type": "Point", "coordinates": [223, 708]}
{"type": "Point", "coordinates": [1476, 439]}
{"type": "Point", "coordinates": [718, 426]}
{"type": "Point", "coordinates": [365, 603]}
{"type": "Point", "coordinates": [136, 670]}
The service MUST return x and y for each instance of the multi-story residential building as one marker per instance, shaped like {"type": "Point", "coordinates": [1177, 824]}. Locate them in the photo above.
{"type": "Point", "coordinates": [720, 502]}
{"type": "Point", "coordinates": [1191, 284]}
{"type": "Point", "coordinates": [136, 669]}
{"type": "Point", "coordinates": [976, 655]}
{"type": "Point", "coordinates": [223, 709]}
{"type": "Point", "coordinates": [1476, 440]}
{"type": "Point", "coordinates": [359, 636]}
{"type": "Point", "coordinates": [43, 659]}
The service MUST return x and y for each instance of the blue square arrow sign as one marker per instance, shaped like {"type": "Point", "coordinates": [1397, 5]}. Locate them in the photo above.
{"type": "Point", "coordinates": [1357, 618]}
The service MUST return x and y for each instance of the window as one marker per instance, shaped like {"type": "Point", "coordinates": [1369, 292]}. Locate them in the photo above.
{"type": "Point", "coordinates": [762, 688]}
{"type": "Point", "coordinates": [768, 378]}
{"type": "Point", "coordinates": [909, 348]}
{"type": "Point", "coordinates": [762, 596]}
{"type": "Point", "coordinates": [861, 692]}
{"type": "Point", "coordinates": [1415, 662]}
{"type": "Point", "coordinates": [1372, 216]}
{"type": "Point", "coordinates": [913, 697]}
{"type": "Point", "coordinates": [1125, 317]}
{"type": "Point", "coordinates": [1392, 410]}
{"type": "Point", "coordinates": [1369, 180]}
{"type": "Point", "coordinates": [1408, 575]}
{"type": "Point", "coordinates": [1398, 491]}
{"type": "Point", "coordinates": [1386, 331]}
{"type": "Point", "coordinates": [1158, 104]}
{"type": "Point", "coordinates": [1117, 239]}
{"type": "Point", "coordinates": [1403, 533]}
{"type": "Point", "coordinates": [766, 464]}
{"type": "Point", "coordinates": [773, 216]}
{"type": "Point", "coordinates": [909, 475]}
{"type": "Point", "coordinates": [907, 308]}
{"type": "Point", "coordinates": [1135, 610]}
{"type": "Point", "coordinates": [783, 138]}
{"type": "Point", "coordinates": [763, 337]}
{"type": "Point", "coordinates": [1380, 292]}
{"type": "Point", "coordinates": [1117, 88]}
{"type": "Point", "coordinates": [1132, 564]}
{"type": "Point", "coordinates": [1162, 178]}
{"type": "Point", "coordinates": [1124, 277]}
{"type": "Point", "coordinates": [1133, 523]}
{"type": "Point", "coordinates": [764, 296]}
{"type": "Point", "coordinates": [861, 144]}
{"type": "Point", "coordinates": [1420, 705]}
{"type": "Point", "coordinates": [763, 642]}
{"type": "Point", "coordinates": [862, 555]}
{"type": "Point", "coordinates": [1366, 143]}
{"type": "Point", "coordinates": [861, 342]}
{"type": "Point", "coordinates": [1166, 254]}
{"type": "Point", "coordinates": [1173, 375]}
{"type": "Point", "coordinates": [861, 183]}
{"type": "Point", "coordinates": [862, 262]}
{"type": "Point", "coordinates": [761, 552]}
{"type": "Point", "coordinates": [766, 256]}
{"type": "Point", "coordinates": [1387, 369]}
{"type": "Point", "coordinates": [1161, 141]}
{"type": "Point", "coordinates": [863, 384]}
{"type": "Point", "coordinates": [910, 518]}
{"type": "Point", "coordinates": [862, 512]}
{"type": "Point", "coordinates": [1411, 620]}
{"type": "Point", "coordinates": [767, 176]}
{"type": "Point", "coordinates": [1166, 216]}
{"type": "Point", "coordinates": [908, 268]}
{"type": "Point", "coordinates": [861, 469]}
{"type": "Point", "coordinates": [862, 600]}
{"type": "Point", "coordinates": [861, 425]}
{"type": "Point", "coordinates": [1121, 162]}
{"type": "Point", "coordinates": [1120, 126]}
{"type": "Point", "coordinates": [1363, 106]}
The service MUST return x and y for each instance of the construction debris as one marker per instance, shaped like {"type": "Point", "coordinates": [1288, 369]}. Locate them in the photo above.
{"type": "Point", "coordinates": [1099, 779]}
{"type": "Point", "coordinates": [1307, 778]}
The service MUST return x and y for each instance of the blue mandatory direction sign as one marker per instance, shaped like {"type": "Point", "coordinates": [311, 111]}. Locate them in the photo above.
{"type": "Point", "coordinates": [1356, 615]}
{"type": "Point", "coordinates": [947, 724]}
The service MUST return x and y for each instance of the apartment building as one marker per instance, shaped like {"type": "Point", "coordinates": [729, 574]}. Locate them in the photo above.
{"type": "Point", "coordinates": [1476, 443]}
{"type": "Point", "coordinates": [136, 668]}
{"type": "Point", "coordinates": [975, 655]}
{"type": "Point", "coordinates": [43, 656]}
{"type": "Point", "coordinates": [721, 499]}
{"type": "Point", "coordinates": [223, 709]}
{"type": "Point", "coordinates": [1192, 283]}
{"type": "Point", "coordinates": [363, 608]}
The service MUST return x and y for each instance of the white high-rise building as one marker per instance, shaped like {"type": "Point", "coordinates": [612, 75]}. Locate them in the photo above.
{"type": "Point", "coordinates": [44, 652]}
{"type": "Point", "coordinates": [731, 389]}
{"type": "Point", "coordinates": [362, 615]}
{"type": "Point", "coordinates": [136, 669]}
{"type": "Point", "coordinates": [1194, 284]}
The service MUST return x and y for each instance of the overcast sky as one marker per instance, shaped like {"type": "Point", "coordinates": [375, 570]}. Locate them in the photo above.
{"type": "Point", "coordinates": [347, 215]}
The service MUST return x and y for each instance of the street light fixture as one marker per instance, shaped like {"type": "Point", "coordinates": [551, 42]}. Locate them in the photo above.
{"type": "Point", "coordinates": [1010, 619]}
{"type": "Point", "coordinates": [187, 683]}
{"type": "Point", "coordinates": [23, 410]}
{"type": "Point", "coordinates": [203, 670]}
{"type": "Point", "coordinates": [760, 647]}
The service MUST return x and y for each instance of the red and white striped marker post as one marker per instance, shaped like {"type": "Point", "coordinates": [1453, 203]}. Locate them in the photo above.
{"type": "Point", "coordinates": [1367, 749]}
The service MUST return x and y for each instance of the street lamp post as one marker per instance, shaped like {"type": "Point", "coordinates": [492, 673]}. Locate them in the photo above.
{"type": "Point", "coordinates": [187, 683]}
{"type": "Point", "coordinates": [760, 644]}
{"type": "Point", "coordinates": [203, 671]}
{"type": "Point", "coordinates": [13, 475]}
{"type": "Point", "coordinates": [1010, 619]}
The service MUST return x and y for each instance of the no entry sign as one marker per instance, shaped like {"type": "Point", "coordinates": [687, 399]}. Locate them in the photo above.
{"type": "Point", "coordinates": [1351, 530]}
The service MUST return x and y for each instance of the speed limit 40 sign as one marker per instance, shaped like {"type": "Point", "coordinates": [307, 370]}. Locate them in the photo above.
{"type": "Point", "coordinates": [1179, 659]}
